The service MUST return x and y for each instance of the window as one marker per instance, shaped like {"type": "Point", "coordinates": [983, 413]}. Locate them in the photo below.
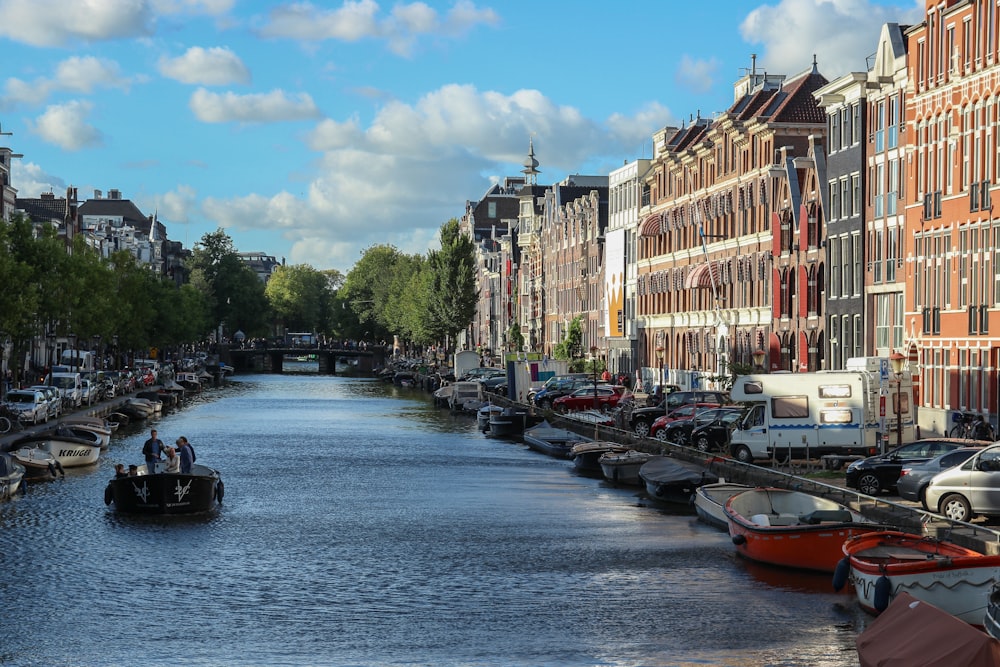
{"type": "Point", "coordinates": [790, 407]}
{"type": "Point", "coordinates": [492, 210]}
{"type": "Point", "coordinates": [835, 391]}
{"type": "Point", "coordinates": [882, 321]}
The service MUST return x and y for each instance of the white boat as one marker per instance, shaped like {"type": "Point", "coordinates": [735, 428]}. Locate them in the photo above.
{"type": "Point", "coordinates": [37, 462]}
{"type": "Point", "coordinates": [155, 407]}
{"type": "Point", "coordinates": [99, 427]}
{"type": "Point", "coordinates": [465, 397]}
{"type": "Point", "coordinates": [947, 575]}
{"type": "Point", "coordinates": [67, 455]}
{"type": "Point", "coordinates": [484, 414]}
{"type": "Point", "coordinates": [142, 406]}
{"type": "Point", "coordinates": [11, 476]}
{"type": "Point", "coordinates": [710, 502]}
{"type": "Point", "coordinates": [189, 381]}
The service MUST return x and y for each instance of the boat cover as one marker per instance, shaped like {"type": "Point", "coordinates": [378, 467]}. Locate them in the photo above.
{"type": "Point", "coordinates": [666, 470]}
{"type": "Point", "coordinates": [911, 633]}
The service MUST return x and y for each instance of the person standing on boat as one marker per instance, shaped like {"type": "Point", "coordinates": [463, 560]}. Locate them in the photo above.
{"type": "Point", "coordinates": [186, 452]}
{"type": "Point", "coordinates": [152, 450]}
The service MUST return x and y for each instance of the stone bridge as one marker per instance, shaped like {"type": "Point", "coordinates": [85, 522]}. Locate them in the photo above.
{"type": "Point", "coordinates": [271, 360]}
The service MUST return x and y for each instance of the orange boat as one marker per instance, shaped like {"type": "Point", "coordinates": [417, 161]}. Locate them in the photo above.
{"type": "Point", "coordinates": [792, 529]}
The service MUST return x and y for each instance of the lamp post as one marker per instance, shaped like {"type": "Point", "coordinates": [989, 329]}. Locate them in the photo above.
{"type": "Point", "coordinates": [97, 352]}
{"type": "Point", "coordinates": [659, 359]}
{"type": "Point", "coordinates": [758, 358]}
{"type": "Point", "coordinates": [71, 339]}
{"type": "Point", "coordinates": [896, 362]}
{"type": "Point", "coordinates": [117, 363]}
{"type": "Point", "coordinates": [593, 367]}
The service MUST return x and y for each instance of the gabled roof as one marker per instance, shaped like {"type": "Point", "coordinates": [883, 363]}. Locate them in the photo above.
{"type": "Point", "coordinates": [43, 208]}
{"type": "Point", "coordinates": [116, 208]}
{"type": "Point", "coordinates": [793, 102]}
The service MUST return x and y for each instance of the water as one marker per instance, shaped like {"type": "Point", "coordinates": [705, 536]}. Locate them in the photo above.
{"type": "Point", "coordinates": [363, 526]}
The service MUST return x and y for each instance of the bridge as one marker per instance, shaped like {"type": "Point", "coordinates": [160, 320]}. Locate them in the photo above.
{"type": "Point", "coordinates": [271, 360]}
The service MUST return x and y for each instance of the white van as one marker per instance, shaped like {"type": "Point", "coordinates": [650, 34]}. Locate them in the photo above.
{"type": "Point", "coordinates": [78, 360]}
{"type": "Point", "coordinates": [70, 386]}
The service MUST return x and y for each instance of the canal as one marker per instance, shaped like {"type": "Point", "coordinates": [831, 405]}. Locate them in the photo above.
{"type": "Point", "coordinates": [363, 526]}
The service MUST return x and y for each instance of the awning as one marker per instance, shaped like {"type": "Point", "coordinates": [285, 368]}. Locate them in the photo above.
{"type": "Point", "coordinates": [651, 225]}
{"type": "Point", "coordinates": [702, 276]}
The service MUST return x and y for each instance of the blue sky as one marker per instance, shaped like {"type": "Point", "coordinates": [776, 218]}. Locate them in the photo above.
{"type": "Point", "coordinates": [312, 131]}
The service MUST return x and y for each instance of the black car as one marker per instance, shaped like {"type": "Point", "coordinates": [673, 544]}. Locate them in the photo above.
{"type": "Point", "coordinates": [679, 432]}
{"type": "Point", "coordinates": [876, 474]}
{"type": "Point", "coordinates": [714, 436]}
{"type": "Point", "coordinates": [641, 419]}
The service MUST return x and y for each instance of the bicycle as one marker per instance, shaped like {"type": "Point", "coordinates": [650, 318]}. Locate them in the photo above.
{"type": "Point", "coordinates": [970, 426]}
{"type": "Point", "coordinates": [10, 420]}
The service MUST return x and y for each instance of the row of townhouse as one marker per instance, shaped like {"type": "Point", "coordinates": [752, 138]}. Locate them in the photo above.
{"type": "Point", "coordinates": [811, 222]}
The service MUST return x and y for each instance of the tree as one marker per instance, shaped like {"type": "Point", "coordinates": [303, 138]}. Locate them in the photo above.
{"type": "Point", "coordinates": [569, 346]}
{"type": "Point", "coordinates": [300, 297]}
{"type": "Point", "coordinates": [234, 293]}
{"type": "Point", "coordinates": [452, 296]}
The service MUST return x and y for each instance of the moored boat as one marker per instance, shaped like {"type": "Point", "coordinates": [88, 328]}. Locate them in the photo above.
{"type": "Point", "coordinates": [623, 467]}
{"type": "Point", "coordinates": [587, 455]}
{"type": "Point", "coordinates": [166, 493]}
{"type": "Point", "coordinates": [511, 422]}
{"type": "Point", "coordinates": [66, 454]}
{"type": "Point", "coordinates": [991, 623]}
{"type": "Point", "coordinates": [671, 481]}
{"type": "Point", "coordinates": [548, 439]}
{"type": "Point", "coordinates": [951, 577]}
{"type": "Point", "coordinates": [483, 416]}
{"type": "Point", "coordinates": [710, 502]}
{"type": "Point", "coordinates": [100, 427]}
{"type": "Point", "coordinates": [37, 462]}
{"type": "Point", "coordinates": [792, 528]}
{"type": "Point", "coordinates": [11, 476]}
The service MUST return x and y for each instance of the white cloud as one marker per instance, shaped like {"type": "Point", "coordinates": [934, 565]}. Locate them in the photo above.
{"type": "Point", "coordinates": [179, 205]}
{"type": "Point", "coordinates": [397, 179]}
{"type": "Point", "coordinates": [60, 23]}
{"type": "Point", "coordinates": [840, 32]}
{"type": "Point", "coordinates": [65, 126]}
{"type": "Point", "coordinates": [361, 19]}
{"type": "Point", "coordinates": [697, 75]}
{"type": "Point", "coordinates": [81, 75]}
{"type": "Point", "coordinates": [216, 66]}
{"type": "Point", "coordinates": [31, 180]}
{"type": "Point", "coordinates": [208, 7]}
{"type": "Point", "coordinates": [270, 107]}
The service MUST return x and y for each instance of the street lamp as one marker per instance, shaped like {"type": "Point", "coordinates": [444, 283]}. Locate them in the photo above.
{"type": "Point", "coordinates": [758, 358]}
{"type": "Point", "coordinates": [593, 365]}
{"type": "Point", "coordinates": [97, 352]}
{"type": "Point", "coordinates": [659, 358]}
{"type": "Point", "coordinates": [71, 339]}
{"type": "Point", "coordinates": [117, 363]}
{"type": "Point", "coordinates": [896, 362]}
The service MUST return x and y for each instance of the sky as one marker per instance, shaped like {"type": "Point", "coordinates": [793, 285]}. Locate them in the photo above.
{"type": "Point", "coordinates": [312, 131]}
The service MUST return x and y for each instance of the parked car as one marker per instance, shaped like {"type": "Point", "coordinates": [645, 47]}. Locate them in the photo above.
{"type": "Point", "coordinates": [968, 490]}
{"type": "Point", "coordinates": [30, 404]}
{"type": "Point", "coordinates": [879, 473]}
{"type": "Point", "coordinates": [53, 397]}
{"type": "Point", "coordinates": [563, 386]}
{"type": "Point", "coordinates": [679, 430]}
{"type": "Point", "coordinates": [492, 383]}
{"type": "Point", "coordinates": [683, 412]}
{"type": "Point", "coordinates": [482, 373]}
{"type": "Point", "coordinates": [914, 478]}
{"type": "Point", "coordinates": [640, 421]}
{"type": "Point", "coordinates": [88, 392]}
{"type": "Point", "coordinates": [603, 397]}
{"type": "Point", "coordinates": [715, 435]}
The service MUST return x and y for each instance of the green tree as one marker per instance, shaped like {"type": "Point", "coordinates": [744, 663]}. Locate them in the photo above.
{"type": "Point", "coordinates": [570, 346]}
{"type": "Point", "coordinates": [300, 297]}
{"type": "Point", "coordinates": [234, 293]}
{"type": "Point", "coordinates": [452, 296]}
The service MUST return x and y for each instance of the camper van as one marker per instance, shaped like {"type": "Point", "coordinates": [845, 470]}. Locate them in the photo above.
{"type": "Point", "coordinates": [810, 415]}
{"type": "Point", "coordinates": [77, 360]}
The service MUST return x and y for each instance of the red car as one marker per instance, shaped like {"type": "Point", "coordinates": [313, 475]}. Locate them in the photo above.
{"type": "Point", "coordinates": [583, 399]}
{"type": "Point", "coordinates": [683, 412]}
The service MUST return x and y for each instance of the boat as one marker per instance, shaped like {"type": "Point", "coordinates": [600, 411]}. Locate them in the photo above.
{"type": "Point", "coordinates": [166, 492]}
{"type": "Point", "coordinates": [623, 467]}
{"type": "Point", "coordinates": [465, 397]}
{"type": "Point", "coordinates": [95, 425]}
{"type": "Point", "coordinates": [152, 406]}
{"type": "Point", "coordinates": [792, 528]}
{"type": "Point", "coordinates": [511, 422]}
{"type": "Point", "coordinates": [37, 462]}
{"type": "Point", "coordinates": [953, 578]}
{"type": "Point", "coordinates": [991, 622]}
{"type": "Point", "coordinates": [916, 633]}
{"type": "Point", "coordinates": [592, 417]}
{"type": "Point", "coordinates": [587, 455]}
{"type": "Point", "coordinates": [188, 380]}
{"type": "Point", "coordinates": [548, 439]}
{"type": "Point", "coordinates": [63, 435]}
{"type": "Point", "coordinates": [710, 502]}
{"type": "Point", "coordinates": [672, 481]}
{"type": "Point", "coordinates": [483, 416]}
{"type": "Point", "coordinates": [65, 454]}
{"type": "Point", "coordinates": [11, 477]}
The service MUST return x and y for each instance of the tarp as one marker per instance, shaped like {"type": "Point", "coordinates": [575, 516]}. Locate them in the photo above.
{"type": "Point", "coordinates": [666, 470]}
{"type": "Point", "coordinates": [911, 633]}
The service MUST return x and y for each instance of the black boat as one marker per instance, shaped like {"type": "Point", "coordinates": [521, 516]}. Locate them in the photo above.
{"type": "Point", "coordinates": [672, 481]}
{"type": "Point", "coordinates": [547, 439]}
{"type": "Point", "coordinates": [587, 455]}
{"type": "Point", "coordinates": [511, 421]}
{"type": "Point", "coordinates": [166, 492]}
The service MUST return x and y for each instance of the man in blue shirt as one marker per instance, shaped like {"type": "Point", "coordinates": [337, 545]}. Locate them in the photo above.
{"type": "Point", "coordinates": [186, 452]}
{"type": "Point", "coordinates": [152, 449]}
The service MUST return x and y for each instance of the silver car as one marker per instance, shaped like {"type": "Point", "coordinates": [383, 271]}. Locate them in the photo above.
{"type": "Point", "coordinates": [967, 490]}
{"type": "Point", "coordinates": [914, 477]}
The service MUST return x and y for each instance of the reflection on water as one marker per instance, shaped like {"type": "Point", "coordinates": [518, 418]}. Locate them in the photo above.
{"type": "Point", "coordinates": [362, 526]}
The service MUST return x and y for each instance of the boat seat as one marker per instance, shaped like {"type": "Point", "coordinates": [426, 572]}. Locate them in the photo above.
{"type": "Point", "coordinates": [823, 516]}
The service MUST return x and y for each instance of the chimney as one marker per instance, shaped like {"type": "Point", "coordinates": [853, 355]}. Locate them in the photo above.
{"type": "Point", "coordinates": [97, 194]}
